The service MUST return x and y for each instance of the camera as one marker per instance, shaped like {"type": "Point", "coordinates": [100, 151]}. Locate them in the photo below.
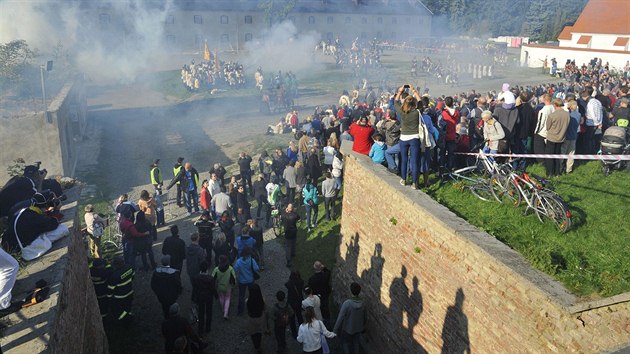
{"type": "Point", "coordinates": [406, 86]}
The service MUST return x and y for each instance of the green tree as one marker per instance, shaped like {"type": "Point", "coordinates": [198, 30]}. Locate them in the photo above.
{"type": "Point", "coordinates": [15, 60]}
{"type": "Point", "coordinates": [276, 11]}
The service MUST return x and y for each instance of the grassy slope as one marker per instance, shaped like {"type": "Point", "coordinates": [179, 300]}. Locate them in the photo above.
{"type": "Point", "coordinates": [591, 259]}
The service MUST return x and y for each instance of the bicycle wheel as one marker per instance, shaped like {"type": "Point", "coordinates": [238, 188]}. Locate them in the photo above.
{"type": "Point", "coordinates": [506, 190]}
{"type": "Point", "coordinates": [558, 212]}
{"type": "Point", "coordinates": [276, 225]}
{"type": "Point", "coordinates": [109, 249]}
{"type": "Point", "coordinates": [481, 190]}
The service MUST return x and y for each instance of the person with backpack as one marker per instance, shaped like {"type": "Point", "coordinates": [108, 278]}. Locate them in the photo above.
{"type": "Point", "coordinates": [225, 279]}
{"type": "Point", "coordinates": [282, 312]}
{"type": "Point", "coordinates": [94, 227]}
{"type": "Point", "coordinates": [246, 270]}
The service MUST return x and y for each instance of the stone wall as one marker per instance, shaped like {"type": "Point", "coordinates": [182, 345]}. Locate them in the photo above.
{"type": "Point", "coordinates": [48, 136]}
{"type": "Point", "coordinates": [435, 283]}
{"type": "Point", "coordinates": [69, 321]}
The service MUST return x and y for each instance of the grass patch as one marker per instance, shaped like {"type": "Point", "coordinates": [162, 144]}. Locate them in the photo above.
{"type": "Point", "coordinates": [591, 260]}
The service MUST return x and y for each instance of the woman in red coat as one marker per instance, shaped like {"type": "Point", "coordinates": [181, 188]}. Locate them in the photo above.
{"type": "Point", "coordinates": [205, 196]}
{"type": "Point", "coordinates": [362, 134]}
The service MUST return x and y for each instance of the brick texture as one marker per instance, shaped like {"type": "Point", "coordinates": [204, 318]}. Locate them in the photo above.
{"type": "Point", "coordinates": [434, 283]}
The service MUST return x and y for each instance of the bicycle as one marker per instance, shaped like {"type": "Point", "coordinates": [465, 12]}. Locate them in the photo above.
{"type": "Point", "coordinates": [111, 242]}
{"type": "Point", "coordinates": [480, 179]}
{"type": "Point", "coordinates": [516, 187]}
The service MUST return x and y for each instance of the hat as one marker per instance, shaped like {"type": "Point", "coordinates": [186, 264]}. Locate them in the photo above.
{"type": "Point", "coordinates": [508, 98]}
{"type": "Point", "coordinates": [180, 159]}
{"type": "Point", "coordinates": [156, 162]}
{"type": "Point", "coordinates": [624, 100]}
{"type": "Point", "coordinates": [38, 199]}
{"type": "Point", "coordinates": [505, 87]}
{"type": "Point", "coordinates": [318, 266]}
{"type": "Point", "coordinates": [30, 170]}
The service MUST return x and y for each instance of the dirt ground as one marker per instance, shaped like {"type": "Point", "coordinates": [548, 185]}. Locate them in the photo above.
{"type": "Point", "coordinates": [130, 126]}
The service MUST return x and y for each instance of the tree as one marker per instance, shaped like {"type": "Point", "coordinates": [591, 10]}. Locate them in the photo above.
{"type": "Point", "coordinates": [15, 59]}
{"type": "Point", "coordinates": [276, 11]}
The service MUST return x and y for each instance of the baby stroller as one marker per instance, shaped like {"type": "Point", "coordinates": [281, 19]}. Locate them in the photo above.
{"type": "Point", "coordinates": [615, 142]}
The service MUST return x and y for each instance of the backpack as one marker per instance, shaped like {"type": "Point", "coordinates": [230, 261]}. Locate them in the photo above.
{"type": "Point", "coordinates": [267, 164]}
{"type": "Point", "coordinates": [97, 229]}
{"type": "Point", "coordinates": [282, 316]}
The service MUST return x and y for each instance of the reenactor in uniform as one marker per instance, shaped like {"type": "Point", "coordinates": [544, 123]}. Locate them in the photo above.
{"type": "Point", "coordinates": [176, 169]}
{"type": "Point", "coordinates": [120, 290]}
{"type": "Point", "coordinates": [100, 271]}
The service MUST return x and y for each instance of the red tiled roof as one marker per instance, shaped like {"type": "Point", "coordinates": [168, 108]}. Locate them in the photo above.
{"type": "Point", "coordinates": [584, 39]}
{"type": "Point", "coordinates": [566, 33]}
{"type": "Point", "coordinates": [604, 16]}
{"type": "Point", "coordinates": [621, 41]}
{"type": "Point", "coordinates": [552, 48]}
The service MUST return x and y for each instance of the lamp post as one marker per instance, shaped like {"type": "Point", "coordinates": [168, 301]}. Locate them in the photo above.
{"type": "Point", "coordinates": [48, 67]}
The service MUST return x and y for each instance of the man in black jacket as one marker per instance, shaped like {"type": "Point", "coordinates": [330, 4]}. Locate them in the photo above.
{"type": "Point", "coordinates": [203, 293]}
{"type": "Point", "coordinates": [166, 284]}
{"type": "Point", "coordinates": [176, 168]}
{"type": "Point", "coordinates": [188, 180]}
{"type": "Point", "coordinates": [245, 169]}
{"type": "Point", "coordinates": [174, 247]}
{"type": "Point", "coordinates": [290, 219]}
{"type": "Point", "coordinates": [320, 284]}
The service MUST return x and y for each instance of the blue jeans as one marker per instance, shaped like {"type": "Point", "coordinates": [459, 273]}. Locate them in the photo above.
{"type": "Point", "coordinates": [315, 211]}
{"type": "Point", "coordinates": [192, 200]}
{"type": "Point", "coordinates": [409, 151]}
{"type": "Point", "coordinates": [391, 155]}
{"type": "Point", "coordinates": [129, 253]}
{"type": "Point", "coordinates": [242, 288]}
{"type": "Point", "coordinates": [350, 343]}
{"type": "Point", "coordinates": [338, 183]}
{"type": "Point", "coordinates": [447, 155]}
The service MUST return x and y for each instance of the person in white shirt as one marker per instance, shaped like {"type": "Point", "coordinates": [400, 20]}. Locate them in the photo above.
{"type": "Point", "coordinates": [310, 332]}
{"type": "Point", "coordinates": [313, 301]}
{"type": "Point", "coordinates": [540, 131]}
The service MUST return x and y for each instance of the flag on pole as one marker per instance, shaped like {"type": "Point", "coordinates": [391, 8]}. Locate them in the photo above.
{"type": "Point", "coordinates": [206, 52]}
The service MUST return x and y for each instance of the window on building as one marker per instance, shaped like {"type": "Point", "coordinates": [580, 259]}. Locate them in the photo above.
{"type": "Point", "coordinates": [225, 38]}
{"type": "Point", "coordinates": [379, 20]}
{"type": "Point", "coordinates": [198, 41]}
{"type": "Point", "coordinates": [408, 20]}
{"type": "Point", "coordinates": [170, 19]}
{"type": "Point", "coordinates": [248, 37]}
{"type": "Point", "coordinates": [225, 20]}
{"type": "Point", "coordinates": [363, 35]}
{"type": "Point", "coordinates": [379, 35]}
{"type": "Point", "coordinates": [248, 19]}
{"type": "Point", "coordinates": [347, 20]}
{"type": "Point", "coordinates": [394, 20]}
{"type": "Point", "coordinates": [197, 19]}
{"type": "Point", "coordinates": [329, 36]}
{"type": "Point", "coordinates": [170, 39]}
{"type": "Point", "coordinates": [364, 20]}
{"type": "Point", "coordinates": [311, 20]}
{"type": "Point", "coordinates": [393, 36]}
{"type": "Point", "coordinates": [103, 19]}
{"type": "Point", "coordinates": [329, 20]}
{"type": "Point", "coordinates": [420, 21]}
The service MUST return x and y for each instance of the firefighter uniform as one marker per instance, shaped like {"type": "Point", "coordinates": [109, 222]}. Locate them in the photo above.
{"type": "Point", "coordinates": [100, 272]}
{"type": "Point", "coordinates": [120, 290]}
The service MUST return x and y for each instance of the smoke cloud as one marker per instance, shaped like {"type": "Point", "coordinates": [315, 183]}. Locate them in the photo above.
{"type": "Point", "coordinates": [128, 42]}
{"type": "Point", "coordinates": [283, 49]}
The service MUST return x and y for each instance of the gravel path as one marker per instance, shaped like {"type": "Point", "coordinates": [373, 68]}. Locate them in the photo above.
{"type": "Point", "coordinates": [226, 337]}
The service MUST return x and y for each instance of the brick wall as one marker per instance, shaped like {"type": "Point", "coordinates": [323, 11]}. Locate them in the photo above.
{"type": "Point", "coordinates": [435, 283]}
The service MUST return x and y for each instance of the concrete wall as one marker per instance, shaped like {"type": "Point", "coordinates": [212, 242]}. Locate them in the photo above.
{"type": "Point", "coordinates": [533, 55]}
{"type": "Point", "coordinates": [69, 321]}
{"type": "Point", "coordinates": [46, 136]}
{"type": "Point", "coordinates": [435, 283]}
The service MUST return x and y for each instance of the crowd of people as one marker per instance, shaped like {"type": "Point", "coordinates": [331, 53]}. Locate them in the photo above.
{"type": "Point", "coordinates": [226, 251]}
{"type": "Point", "coordinates": [212, 74]}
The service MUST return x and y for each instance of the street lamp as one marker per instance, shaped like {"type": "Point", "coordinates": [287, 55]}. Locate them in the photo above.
{"type": "Point", "coordinates": [48, 67]}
